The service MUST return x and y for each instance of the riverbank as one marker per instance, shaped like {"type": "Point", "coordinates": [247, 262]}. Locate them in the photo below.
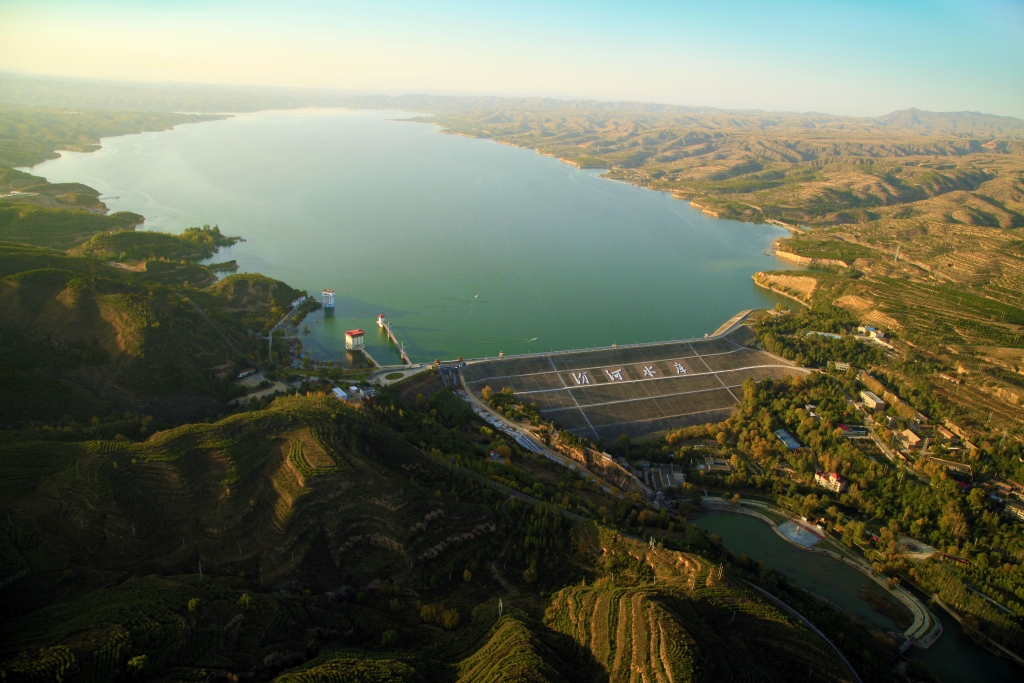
{"type": "Point", "coordinates": [767, 281]}
{"type": "Point", "coordinates": [923, 631]}
{"type": "Point", "coordinates": [1000, 651]}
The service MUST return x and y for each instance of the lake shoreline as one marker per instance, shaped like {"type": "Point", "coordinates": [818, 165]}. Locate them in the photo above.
{"type": "Point", "coordinates": [571, 260]}
{"type": "Point", "coordinates": [674, 193]}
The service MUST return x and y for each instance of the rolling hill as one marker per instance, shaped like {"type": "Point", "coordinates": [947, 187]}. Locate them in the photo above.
{"type": "Point", "coordinates": [328, 544]}
{"type": "Point", "coordinates": [82, 338]}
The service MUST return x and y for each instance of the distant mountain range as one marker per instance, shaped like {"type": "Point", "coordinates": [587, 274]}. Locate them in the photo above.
{"type": "Point", "coordinates": [40, 91]}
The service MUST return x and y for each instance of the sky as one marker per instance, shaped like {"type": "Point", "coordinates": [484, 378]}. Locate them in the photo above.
{"type": "Point", "coordinates": [860, 58]}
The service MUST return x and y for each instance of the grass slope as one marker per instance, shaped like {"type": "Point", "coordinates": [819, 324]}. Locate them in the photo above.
{"type": "Point", "coordinates": [59, 228]}
{"type": "Point", "coordinates": [74, 327]}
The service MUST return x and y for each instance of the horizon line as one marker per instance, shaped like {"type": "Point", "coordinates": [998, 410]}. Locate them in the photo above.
{"type": "Point", "coordinates": [403, 92]}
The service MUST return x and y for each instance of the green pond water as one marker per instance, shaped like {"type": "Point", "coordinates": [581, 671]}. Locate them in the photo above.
{"type": "Point", "coordinates": [469, 247]}
{"type": "Point", "coordinates": [954, 657]}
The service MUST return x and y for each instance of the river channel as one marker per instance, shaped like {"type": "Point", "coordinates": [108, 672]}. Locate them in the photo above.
{"type": "Point", "coordinates": [954, 657]}
{"type": "Point", "coordinates": [469, 247]}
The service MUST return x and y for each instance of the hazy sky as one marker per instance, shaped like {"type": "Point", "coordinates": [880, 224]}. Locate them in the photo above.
{"type": "Point", "coordinates": [860, 57]}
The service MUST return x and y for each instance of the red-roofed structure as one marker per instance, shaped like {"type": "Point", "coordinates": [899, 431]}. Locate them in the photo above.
{"type": "Point", "coordinates": [354, 340]}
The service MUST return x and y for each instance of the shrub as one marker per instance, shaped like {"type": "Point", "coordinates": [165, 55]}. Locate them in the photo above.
{"type": "Point", "coordinates": [447, 619]}
{"type": "Point", "coordinates": [450, 619]}
{"type": "Point", "coordinates": [137, 665]}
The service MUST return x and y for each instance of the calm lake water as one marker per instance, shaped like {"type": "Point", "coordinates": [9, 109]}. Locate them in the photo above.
{"type": "Point", "coordinates": [469, 247]}
{"type": "Point", "coordinates": [954, 657]}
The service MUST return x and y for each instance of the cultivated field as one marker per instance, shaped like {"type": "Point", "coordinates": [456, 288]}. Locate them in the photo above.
{"type": "Point", "coordinates": [634, 390]}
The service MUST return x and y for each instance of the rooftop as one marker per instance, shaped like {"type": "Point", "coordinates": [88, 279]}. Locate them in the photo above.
{"type": "Point", "coordinates": [354, 333]}
{"type": "Point", "coordinates": [787, 438]}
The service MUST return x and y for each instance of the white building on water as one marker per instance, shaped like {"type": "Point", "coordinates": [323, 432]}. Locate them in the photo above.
{"type": "Point", "coordinates": [354, 340]}
{"type": "Point", "coordinates": [328, 298]}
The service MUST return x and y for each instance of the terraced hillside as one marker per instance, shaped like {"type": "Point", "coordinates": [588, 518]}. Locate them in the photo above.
{"type": "Point", "coordinates": [307, 495]}
{"type": "Point", "coordinates": [310, 541]}
{"type": "Point", "coordinates": [688, 622]}
{"type": "Point", "coordinates": [961, 310]}
{"type": "Point", "coordinates": [633, 389]}
{"type": "Point", "coordinates": [674, 618]}
{"type": "Point", "coordinates": [240, 492]}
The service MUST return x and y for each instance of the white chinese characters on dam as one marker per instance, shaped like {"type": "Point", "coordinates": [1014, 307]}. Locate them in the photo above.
{"type": "Point", "coordinates": [634, 373]}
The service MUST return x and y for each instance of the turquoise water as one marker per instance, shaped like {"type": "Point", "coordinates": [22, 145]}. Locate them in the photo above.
{"type": "Point", "coordinates": [469, 247]}
{"type": "Point", "coordinates": [954, 657]}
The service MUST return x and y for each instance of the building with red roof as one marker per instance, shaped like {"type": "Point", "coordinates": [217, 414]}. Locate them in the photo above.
{"type": "Point", "coordinates": [354, 340]}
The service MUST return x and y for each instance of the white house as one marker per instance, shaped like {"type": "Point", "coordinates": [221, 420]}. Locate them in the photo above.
{"type": "Point", "coordinates": [830, 480]}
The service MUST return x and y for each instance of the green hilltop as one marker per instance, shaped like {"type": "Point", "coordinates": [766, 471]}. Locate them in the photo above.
{"type": "Point", "coordinates": [82, 338]}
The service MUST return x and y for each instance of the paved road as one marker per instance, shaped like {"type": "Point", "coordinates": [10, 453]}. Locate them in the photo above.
{"type": "Point", "coordinates": [405, 370]}
{"type": "Point", "coordinates": [564, 460]}
{"type": "Point", "coordinates": [729, 326]}
{"type": "Point", "coordinates": [732, 323]}
{"type": "Point", "coordinates": [808, 624]}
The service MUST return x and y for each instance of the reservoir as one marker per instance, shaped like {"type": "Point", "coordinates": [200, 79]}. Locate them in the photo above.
{"type": "Point", "coordinates": [954, 657]}
{"type": "Point", "coordinates": [469, 247]}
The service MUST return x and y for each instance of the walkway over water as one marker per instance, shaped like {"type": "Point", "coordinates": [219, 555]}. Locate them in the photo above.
{"type": "Point", "coordinates": [635, 389]}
